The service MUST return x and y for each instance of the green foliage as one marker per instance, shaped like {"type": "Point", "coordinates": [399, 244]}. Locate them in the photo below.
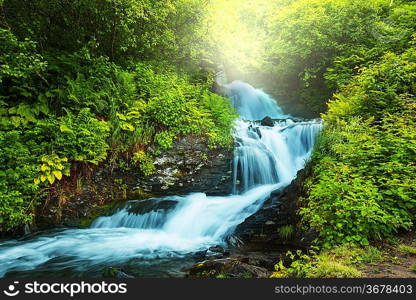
{"type": "Point", "coordinates": [352, 254]}
{"type": "Point", "coordinates": [175, 107]}
{"type": "Point", "coordinates": [407, 249]}
{"type": "Point", "coordinates": [18, 59]}
{"type": "Point", "coordinates": [123, 30]}
{"type": "Point", "coordinates": [82, 137]}
{"type": "Point", "coordinates": [338, 262]}
{"type": "Point", "coordinates": [364, 180]}
{"type": "Point", "coordinates": [18, 192]}
{"type": "Point", "coordinates": [20, 73]}
{"type": "Point", "coordinates": [379, 90]}
{"type": "Point", "coordinates": [52, 167]}
{"type": "Point", "coordinates": [20, 78]}
{"type": "Point", "coordinates": [315, 47]}
{"type": "Point", "coordinates": [85, 81]}
{"type": "Point", "coordinates": [164, 139]}
{"type": "Point", "coordinates": [331, 269]}
{"type": "Point", "coordinates": [286, 232]}
{"type": "Point", "coordinates": [323, 265]}
{"type": "Point", "coordinates": [95, 83]}
{"type": "Point", "coordinates": [223, 116]}
{"type": "Point", "coordinates": [145, 162]}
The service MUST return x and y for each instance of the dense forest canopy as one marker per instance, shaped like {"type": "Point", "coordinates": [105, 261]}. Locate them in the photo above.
{"type": "Point", "coordinates": [84, 83]}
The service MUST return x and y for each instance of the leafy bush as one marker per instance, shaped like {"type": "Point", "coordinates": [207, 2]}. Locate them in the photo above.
{"type": "Point", "coordinates": [21, 80]}
{"type": "Point", "coordinates": [97, 80]}
{"type": "Point", "coordinates": [363, 186]}
{"type": "Point", "coordinates": [177, 107]}
{"type": "Point", "coordinates": [52, 167]}
{"type": "Point", "coordinates": [18, 60]}
{"type": "Point", "coordinates": [94, 83]}
{"type": "Point", "coordinates": [18, 192]}
{"type": "Point", "coordinates": [315, 47]}
{"type": "Point", "coordinates": [123, 30]}
{"type": "Point", "coordinates": [82, 137]}
{"type": "Point", "coordinates": [145, 162]}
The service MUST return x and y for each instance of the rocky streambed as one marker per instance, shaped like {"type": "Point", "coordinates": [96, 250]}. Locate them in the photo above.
{"type": "Point", "coordinates": [233, 213]}
{"type": "Point", "coordinates": [257, 244]}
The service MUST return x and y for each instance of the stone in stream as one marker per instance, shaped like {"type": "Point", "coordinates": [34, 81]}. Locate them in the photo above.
{"type": "Point", "coordinates": [267, 121]}
{"type": "Point", "coordinates": [227, 267]}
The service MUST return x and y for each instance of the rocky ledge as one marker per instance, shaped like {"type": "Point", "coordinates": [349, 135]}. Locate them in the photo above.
{"type": "Point", "coordinates": [263, 238]}
{"type": "Point", "coordinates": [190, 166]}
{"type": "Point", "coordinates": [275, 224]}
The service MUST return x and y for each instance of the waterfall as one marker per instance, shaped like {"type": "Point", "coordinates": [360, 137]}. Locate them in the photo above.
{"type": "Point", "coordinates": [163, 229]}
{"type": "Point", "coordinates": [251, 103]}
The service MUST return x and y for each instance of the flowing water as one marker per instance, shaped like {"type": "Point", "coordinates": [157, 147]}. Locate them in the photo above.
{"type": "Point", "coordinates": [158, 237]}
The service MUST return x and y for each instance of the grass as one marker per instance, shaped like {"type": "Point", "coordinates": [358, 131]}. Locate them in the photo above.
{"type": "Point", "coordinates": [355, 255]}
{"type": "Point", "coordinates": [405, 249]}
{"type": "Point", "coordinates": [339, 262]}
{"type": "Point", "coordinates": [333, 269]}
{"type": "Point", "coordinates": [372, 255]}
{"type": "Point", "coordinates": [286, 232]}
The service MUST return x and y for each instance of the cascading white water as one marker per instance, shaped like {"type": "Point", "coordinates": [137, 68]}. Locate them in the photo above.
{"type": "Point", "coordinates": [251, 103]}
{"type": "Point", "coordinates": [266, 158]}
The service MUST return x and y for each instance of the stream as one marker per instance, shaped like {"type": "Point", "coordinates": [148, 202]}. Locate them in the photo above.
{"type": "Point", "coordinates": [160, 237]}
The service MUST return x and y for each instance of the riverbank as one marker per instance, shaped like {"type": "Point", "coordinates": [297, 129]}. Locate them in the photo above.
{"type": "Point", "coordinates": [392, 258]}
{"type": "Point", "coordinates": [189, 166]}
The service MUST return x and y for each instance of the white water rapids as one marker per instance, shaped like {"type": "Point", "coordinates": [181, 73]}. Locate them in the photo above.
{"type": "Point", "coordinates": [266, 158]}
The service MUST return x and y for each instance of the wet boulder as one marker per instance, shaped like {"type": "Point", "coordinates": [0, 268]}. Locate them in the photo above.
{"type": "Point", "coordinates": [227, 267]}
{"type": "Point", "coordinates": [267, 121]}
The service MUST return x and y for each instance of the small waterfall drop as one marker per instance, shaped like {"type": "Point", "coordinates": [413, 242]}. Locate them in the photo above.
{"type": "Point", "coordinates": [164, 229]}
{"type": "Point", "coordinates": [251, 103]}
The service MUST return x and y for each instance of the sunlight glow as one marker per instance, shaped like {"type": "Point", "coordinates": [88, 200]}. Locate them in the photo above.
{"type": "Point", "coordinates": [238, 29]}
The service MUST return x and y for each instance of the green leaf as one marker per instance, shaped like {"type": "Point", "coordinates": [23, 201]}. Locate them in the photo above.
{"type": "Point", "coordinates": [51, 178]}
{"type": "Point", "coordinates": [65, 128]}
{"type": "Point", "coordinates": [44, 168]}
{"type": "Point", "coordinates": [57, 174]}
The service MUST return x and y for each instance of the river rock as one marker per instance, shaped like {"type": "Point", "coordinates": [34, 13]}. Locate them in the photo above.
{"type": "Point", "coordinates": [267, 121]}
{"type": "Point", "coordinates": [190, 166]}
{"type": "Point", "coordinates": [227, 267]}
{"type": "Point", "coordinates": [278, 210]}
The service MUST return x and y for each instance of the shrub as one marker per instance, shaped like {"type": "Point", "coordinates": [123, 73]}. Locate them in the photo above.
{"type": "Point", "coordinates": [363, 183]}
{"type": "Point", "coordinates": [145, 163]}
{"type": "Point", "coordinates": [52, 167]}
{"type": "Point", "coordinates": [94, 83]}
{"type": "Point", "coordinates": [18, 192]}
{"type": "Point", "coordinates": [177, 107]}
{"type": "Point", "coordinates": [164, 139]}
{"type": "Point", "coordinates": [81, 137]}
{"type": "Point", "coordinates": [313, 51]}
